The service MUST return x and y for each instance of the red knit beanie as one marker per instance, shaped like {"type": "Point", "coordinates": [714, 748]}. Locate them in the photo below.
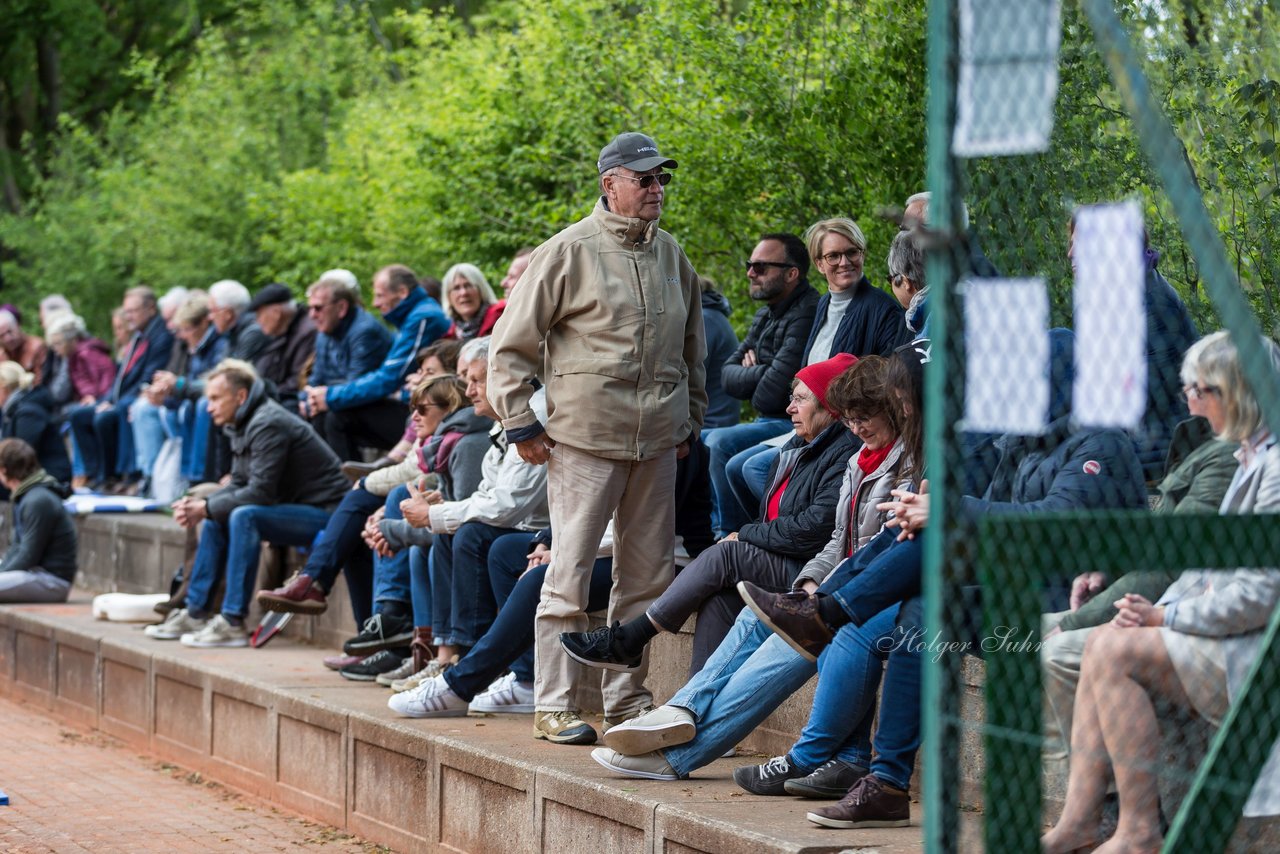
{"type": "Point", "coordinates": [819, 375]}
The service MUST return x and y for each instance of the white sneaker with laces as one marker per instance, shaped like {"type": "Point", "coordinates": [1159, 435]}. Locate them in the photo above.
{"type": "Point", "coordinates": [432, 670]}
{"type": "Point", "coordinates": [504, 695]}
{"type": "Point", "coordinates": [217, 633]}
{"type": "Point", "coordinates": [653, 730]}
{"type": "Point", "coordinates": [177, 624]}
{"type": "Point", "coordinates": [432, 699]}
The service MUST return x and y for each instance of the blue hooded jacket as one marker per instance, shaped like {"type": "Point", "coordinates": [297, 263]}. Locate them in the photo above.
{"type": "Point", "coordinates": [1066, 468]}
{"type": "Point", "coordinates": [357, 347]}
{"type": "Point", "coordinates": [420, 321]}
{"type": "Point", "coordinates": [722, 410]}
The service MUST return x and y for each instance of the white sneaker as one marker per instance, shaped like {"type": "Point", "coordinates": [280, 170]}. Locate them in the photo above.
{"type": "Point", "coordinates": [403, 671]}
{"type": "Point", "coordinates": [504, 695]}
{"type": "Point", "coordinates": [432, 699]}
{"type": "Point", "coordinates": [432, 670]}
{"type": "Point", "coordinates": [216, 633]}
{"type": "Point", "coordinates": [177, 624]}
{"type": "Point", "coordinates": [650, 731]}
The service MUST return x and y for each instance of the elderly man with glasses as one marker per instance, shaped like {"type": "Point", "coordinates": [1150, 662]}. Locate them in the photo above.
{"type": "Point", "coordinates": [619, 309]}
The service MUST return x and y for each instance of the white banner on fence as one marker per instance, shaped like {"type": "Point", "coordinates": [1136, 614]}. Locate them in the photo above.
{"type": "Point", "coordinates": [1110, 316]}
{"type": "Point", "coordinates": [1006, 335]}
{"type": "Point", "coordinates": [1008, 78]}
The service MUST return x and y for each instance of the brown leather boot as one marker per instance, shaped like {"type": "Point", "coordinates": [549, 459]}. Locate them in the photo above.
{"type": "Point", "coordinates": [421, 648]}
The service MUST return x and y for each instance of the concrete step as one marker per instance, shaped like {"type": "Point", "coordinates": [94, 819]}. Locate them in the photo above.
{"type": "Point", "coordinates": [275, 723]}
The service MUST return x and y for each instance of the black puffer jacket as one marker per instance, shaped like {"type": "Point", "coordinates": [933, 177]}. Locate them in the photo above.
{"type": "Point", "coordinates": [28, 415]}
{"type": "Point", "coordinates": [807, 512]}
{"type": "Point", "coordinates": [778, 334]}
{"type": "Point", "coordinates": [277, 458]}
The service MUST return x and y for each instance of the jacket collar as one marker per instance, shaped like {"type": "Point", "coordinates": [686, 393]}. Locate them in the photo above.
{"type": "Point", "coordinates": [781, 308]}
{"type": "Point", "coordinates": [629, 231]}
{"type": "Point", "coordinates": [257, 394]}
{"type": "Point", "coordinates": [398, 315]}
{"type": "Point", "coordinates": [345, 323]}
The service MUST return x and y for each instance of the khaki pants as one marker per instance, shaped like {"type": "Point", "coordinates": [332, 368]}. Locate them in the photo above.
{"type": "Point", "coordinates": [584, 492]}
{"type": "Point", "coordinates": [1060, 658]}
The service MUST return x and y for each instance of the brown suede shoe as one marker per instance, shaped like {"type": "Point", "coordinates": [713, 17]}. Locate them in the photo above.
{"type": "Point", "coordinates": [792, 616]}
{"type": "Point", "coordinates": [870, 803]}
{"type": "Point", "coordinates": [299, 595]}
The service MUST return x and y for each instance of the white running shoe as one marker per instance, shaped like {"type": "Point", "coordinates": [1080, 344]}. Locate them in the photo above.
{"type": "Point", "coordinates": [504, 695]}
{"type": "Point", "coordinates": [177, 624]}
{"type": "Point", "coordinates": [432, 699]}
{"type": "Point", "coordinates": [217, 633]}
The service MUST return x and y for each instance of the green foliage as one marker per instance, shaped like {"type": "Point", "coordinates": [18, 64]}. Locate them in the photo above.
{"type": "Point", "coordinates": [296, 136]}
{"type": "Point", "coordinates": [286, 147]}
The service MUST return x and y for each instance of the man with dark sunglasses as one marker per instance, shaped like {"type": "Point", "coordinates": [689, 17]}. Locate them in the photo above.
{"type": "Point", "coordinates": [618, 308]}
{"type": "Point", "coordinates": [762, 367]}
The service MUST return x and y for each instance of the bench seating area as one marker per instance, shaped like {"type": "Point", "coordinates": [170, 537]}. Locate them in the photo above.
{"type": "Point", "coordinates": [275, 723]}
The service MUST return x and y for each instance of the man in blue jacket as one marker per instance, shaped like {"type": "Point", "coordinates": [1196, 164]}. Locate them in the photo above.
{"type": "Point", "coordinates": [107, 449]}
{"type": "Point", "coordinates": [367, 410]}
{"type": "Point", "coordinates": [351, 342]}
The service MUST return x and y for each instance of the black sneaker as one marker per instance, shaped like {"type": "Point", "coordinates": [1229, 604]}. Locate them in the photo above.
{"type": "Point", "coordinates": [830, 782]}
{"type": "Point", "coordinates": [375, 665]}
{"type": "Point", "coordinates": [599, 649]}
{"type": "Point", "coordinates": [380, 632]}
{"type": "Point", "coordinates": [769, 778]}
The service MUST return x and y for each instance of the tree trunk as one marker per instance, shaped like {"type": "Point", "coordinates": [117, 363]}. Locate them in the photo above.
{"type": "Point", "coordinates": [49, 70]}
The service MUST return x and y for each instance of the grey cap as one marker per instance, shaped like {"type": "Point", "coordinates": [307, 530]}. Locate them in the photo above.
{"type": "Point", "coordinates": [635, 151]}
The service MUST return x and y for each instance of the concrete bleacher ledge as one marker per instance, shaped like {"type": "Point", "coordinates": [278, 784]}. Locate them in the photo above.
{"type": "Point", "coordinates": [276, 724]}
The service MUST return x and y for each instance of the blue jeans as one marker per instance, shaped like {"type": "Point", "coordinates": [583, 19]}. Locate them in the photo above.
{"type": "Point", "coordinates": [391, 574]}
{"type": "Point", "coordinates": [849, 672]}
{"type": "Point", "coordinates": [898, 731]}
{"type": "Point", "coordinates": [893, 577]}
{"type": "Point", "coordinates": [728, 514]}
{"type": "Point", "coordinates": [463, 605]}
{"type": "Point", "coordinates": [104, 439]}
{"type": "Point", "coordinates": [148, 432]}
{"type": "Point", "coordinates": [748, 676]}
{"type": "Point", "coordinates": [235, 544]}
{"type": "Point", "coordinates": [195, 424]}
{"type": "Point", "coordinates": [509, 641]}
{"type": "Point", "coordinates": [420, 585]}
{"type": "Point", "coordinates": [340, 547]}
{"type": "Point", "coordinates": [751, 478]}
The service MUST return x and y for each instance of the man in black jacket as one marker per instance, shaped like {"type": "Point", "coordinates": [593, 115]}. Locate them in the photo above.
{"type": "Point", "coordinates": [41, 561]}
{"type": "Point", "coordinates": [762, 367]}
{"type": "Point", "coordinates": [285, 481]}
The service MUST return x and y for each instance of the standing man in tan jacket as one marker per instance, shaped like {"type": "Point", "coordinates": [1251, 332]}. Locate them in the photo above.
{"type": "Point", "coordinates": [619, 308]}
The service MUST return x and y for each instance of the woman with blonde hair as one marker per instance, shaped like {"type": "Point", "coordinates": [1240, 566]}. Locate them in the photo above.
{"type": "Point", "coordinates": [27, 413]}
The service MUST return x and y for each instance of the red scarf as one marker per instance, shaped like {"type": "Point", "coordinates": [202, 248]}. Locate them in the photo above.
{"type": "Point", "coordinates": [774, 508]}
{"type": "Point", "coordinates": [869, 460]}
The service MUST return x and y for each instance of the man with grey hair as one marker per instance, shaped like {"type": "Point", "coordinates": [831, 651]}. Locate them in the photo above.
{"type": "Point", "coordinates": [618, 307]}
{"type": "Point", "coordinates": [29, 351]}
{"type": "Point", "coordinates": [101, 431]}
{"type": "Point", "coordinates": [229, 309]}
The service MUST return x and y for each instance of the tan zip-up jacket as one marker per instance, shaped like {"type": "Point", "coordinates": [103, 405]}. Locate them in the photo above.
{"type": "Point", "coordinates": [620, 309]}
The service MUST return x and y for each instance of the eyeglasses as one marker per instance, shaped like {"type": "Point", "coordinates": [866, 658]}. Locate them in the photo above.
{"type": "Point", "coordinates": [1199, 391]}
{"type": "Point", "coordinates": [855, 421]}
{"type": "Point", "coordinates": [646, 181]}
{"type": "Point", "coordinates": [892, 279]}
{"type": "Point", "coordinates": [316, 308]}
{"type": "Point", "coordinates": [421, 408]}
{"type": "Point", "coordinates": [759, 267]}
{"type": "Point", "coordinates": [802, 398]}
{"type": "Point", "coordinates": [833, 259]}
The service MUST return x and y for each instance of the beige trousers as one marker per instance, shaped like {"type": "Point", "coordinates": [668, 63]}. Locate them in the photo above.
{"type": "Point", "coordinates": [1060, 658]}
{"type": "Point", "coordinates": [584, 491]}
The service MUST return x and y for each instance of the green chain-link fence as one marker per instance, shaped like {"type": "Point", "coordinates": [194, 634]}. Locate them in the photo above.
{"type": "Point", "coordinates": [1161, 119]}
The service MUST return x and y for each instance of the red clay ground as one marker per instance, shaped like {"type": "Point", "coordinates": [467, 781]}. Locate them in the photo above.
{"type": "Point", "coordinates": [73, 789]}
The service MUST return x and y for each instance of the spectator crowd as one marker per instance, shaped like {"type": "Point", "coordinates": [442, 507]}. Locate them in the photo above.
{"type": "Point", "coordinates": [486, 471]}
